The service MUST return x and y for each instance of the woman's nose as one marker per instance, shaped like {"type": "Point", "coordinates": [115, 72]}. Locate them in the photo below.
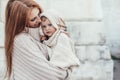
{"type": "Point", "coordinates": [38, 19]}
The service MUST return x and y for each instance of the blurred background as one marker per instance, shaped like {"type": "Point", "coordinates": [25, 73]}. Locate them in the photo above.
{"type": "Point", "coordinates": [94, 26]}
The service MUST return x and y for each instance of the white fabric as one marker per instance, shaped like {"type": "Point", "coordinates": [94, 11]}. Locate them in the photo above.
{"type": "Point", "coordinates": [34, 32]}
{"type": "Point", "coordinates": [63, 53]}
{"type": "Point", "coordinates": [30, 63]}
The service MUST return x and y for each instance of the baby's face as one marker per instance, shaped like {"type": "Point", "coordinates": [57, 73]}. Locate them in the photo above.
{"type": "Point", "coordinates": [47, 27]}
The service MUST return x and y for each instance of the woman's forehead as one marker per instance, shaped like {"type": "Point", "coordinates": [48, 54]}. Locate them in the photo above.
{"type": "Point", "coordinates": [34, 12]}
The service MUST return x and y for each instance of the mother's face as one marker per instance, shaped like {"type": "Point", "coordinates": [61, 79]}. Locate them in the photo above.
{"type": "Point", "coordinates": [34, 19]}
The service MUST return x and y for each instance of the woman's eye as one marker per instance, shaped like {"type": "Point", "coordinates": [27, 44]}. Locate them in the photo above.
{"type": "Point", "coordinates": [49, 24]}
{"type": "Point", "coordinates": [33, 19]}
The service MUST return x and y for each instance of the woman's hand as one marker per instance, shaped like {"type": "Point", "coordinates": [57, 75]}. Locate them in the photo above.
{"type": "Point", "coordinates": [65, 33]}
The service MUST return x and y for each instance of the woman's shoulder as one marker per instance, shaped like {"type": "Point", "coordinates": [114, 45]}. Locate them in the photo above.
{"type": "Point", "coordinates": [22, 37]}
{"type": "Point", "coordinates": [24, 40]}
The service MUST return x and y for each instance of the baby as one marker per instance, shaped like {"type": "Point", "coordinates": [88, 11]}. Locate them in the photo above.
{"type": "Point", "coordinates": [63, 53]}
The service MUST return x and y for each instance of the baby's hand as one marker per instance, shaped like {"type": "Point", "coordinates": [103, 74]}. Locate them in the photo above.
{"type": "Point", "coordinates": [42, 38]}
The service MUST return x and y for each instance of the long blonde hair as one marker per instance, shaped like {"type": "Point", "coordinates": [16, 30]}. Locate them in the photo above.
{"type": "Point", "coordinates": [16, 18]}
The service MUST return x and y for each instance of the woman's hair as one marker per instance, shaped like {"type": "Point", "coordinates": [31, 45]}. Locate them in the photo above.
{"type": "Point", "coordinates": [16, 18]}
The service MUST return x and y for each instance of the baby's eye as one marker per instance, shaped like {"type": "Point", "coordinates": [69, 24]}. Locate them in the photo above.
{"type": "Point", "coordinates": [49, 24]}
{"type": "Point", "coordinates": [43, 26]}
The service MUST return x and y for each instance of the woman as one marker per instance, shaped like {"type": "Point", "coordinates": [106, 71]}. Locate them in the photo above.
{"type": "Point", "coordinates": [25, 59]}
